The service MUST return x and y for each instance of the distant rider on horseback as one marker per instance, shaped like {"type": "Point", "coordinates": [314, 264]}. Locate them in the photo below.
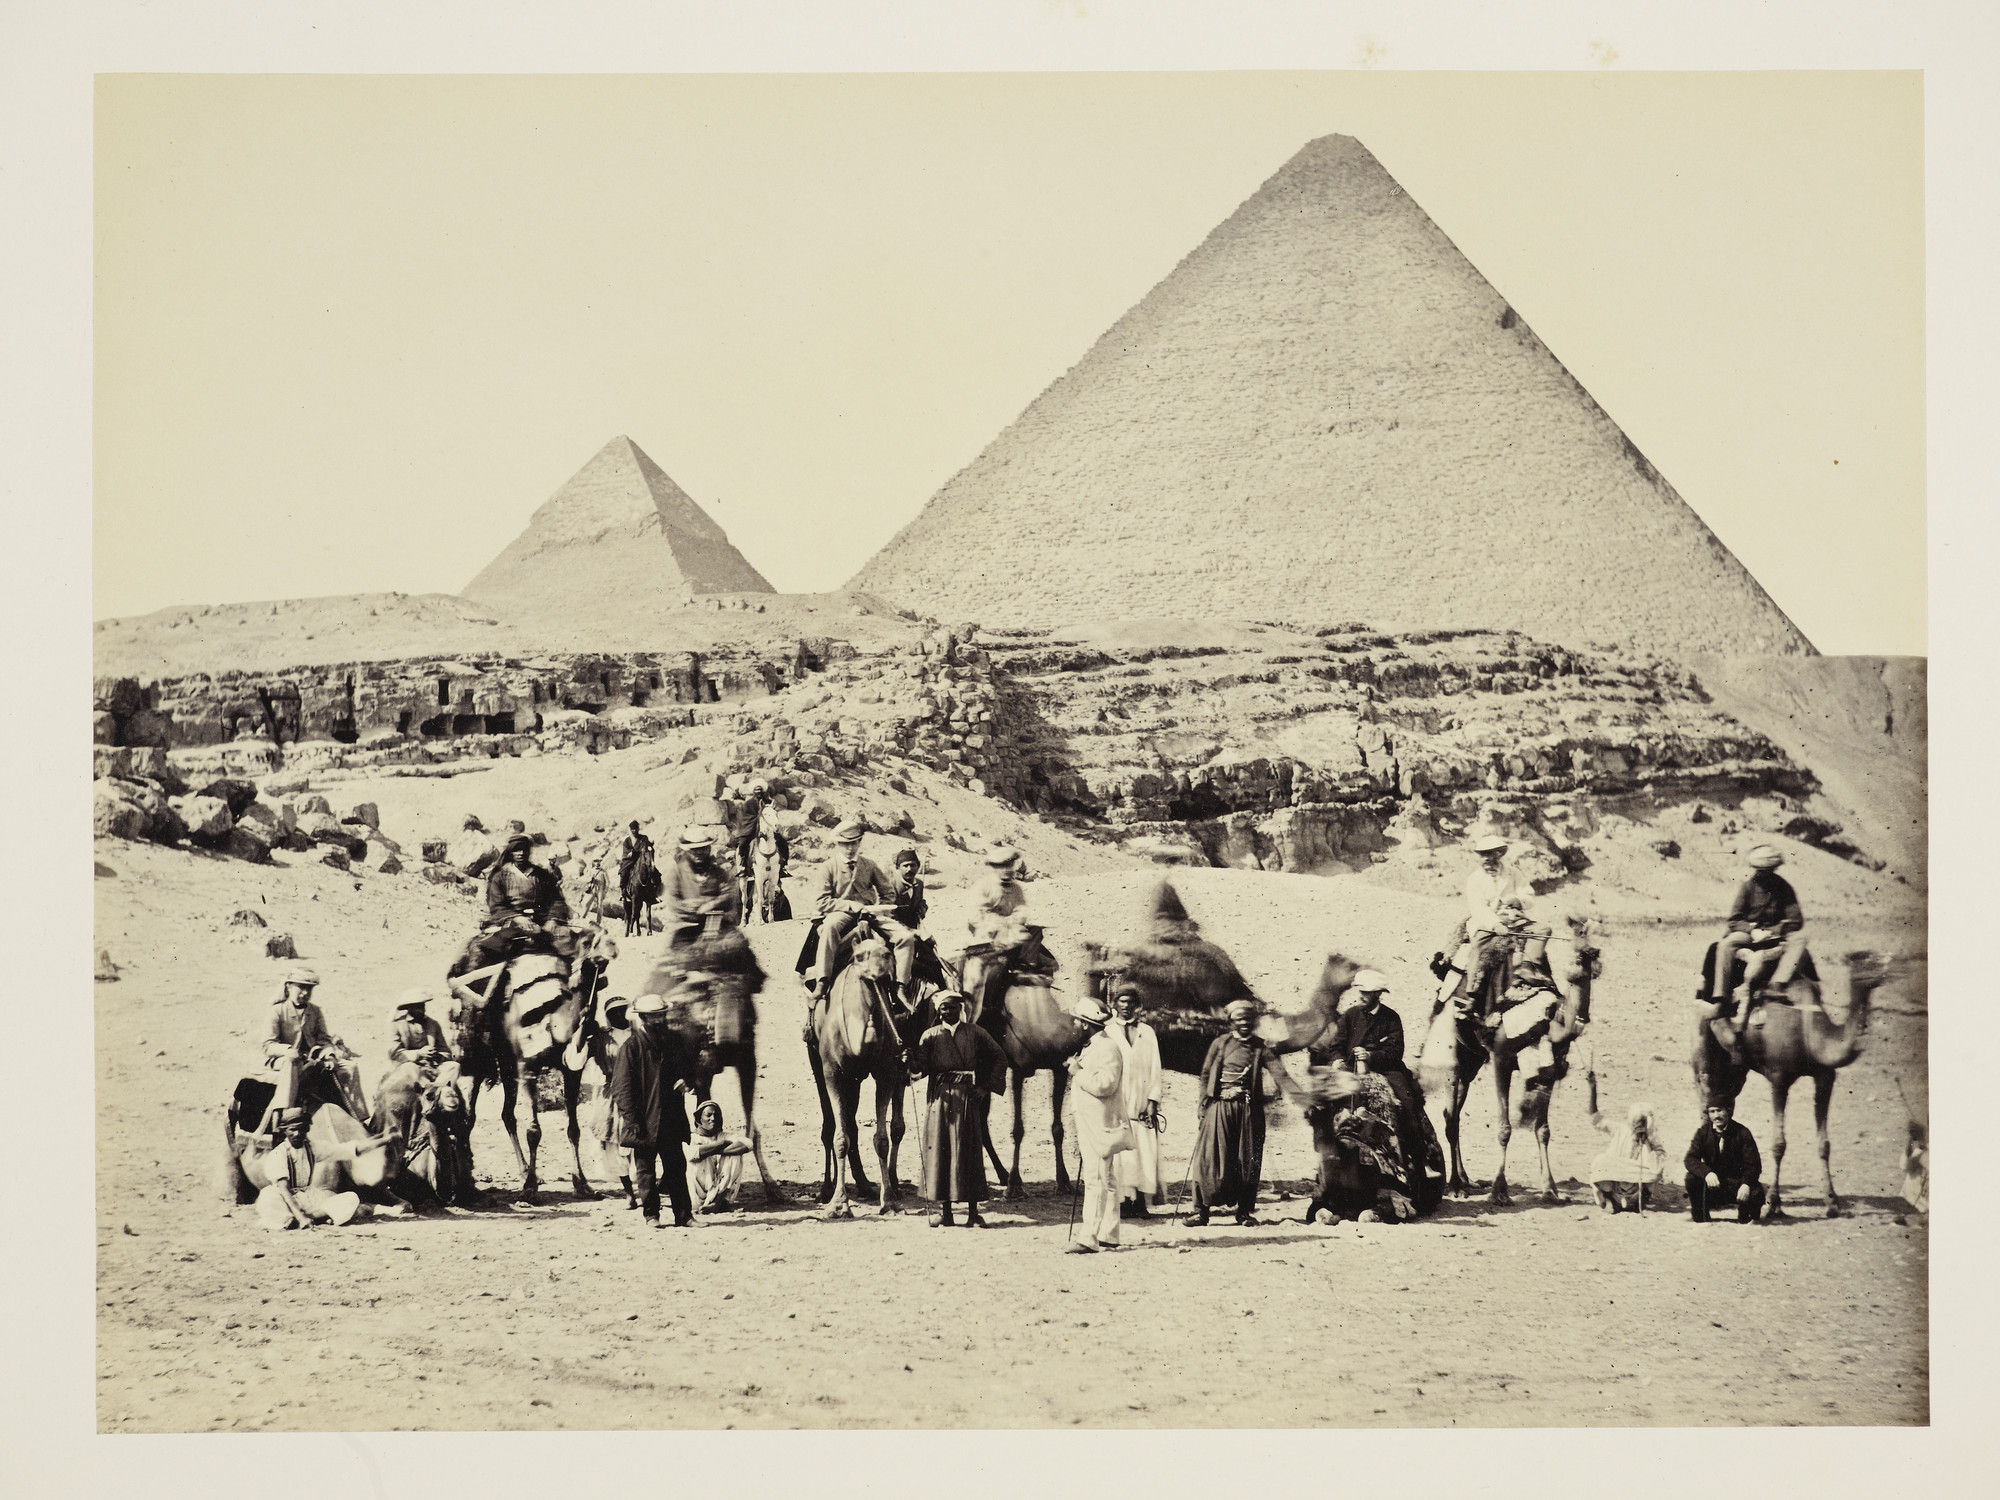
{"type": "Point", "coordinates": [629, 852]}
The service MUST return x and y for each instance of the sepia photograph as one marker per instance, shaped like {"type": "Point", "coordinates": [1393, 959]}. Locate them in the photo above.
{"type": "Point", "coordinates": [1298, 699]}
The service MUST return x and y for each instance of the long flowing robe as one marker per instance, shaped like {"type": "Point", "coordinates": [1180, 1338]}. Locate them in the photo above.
{"type": "Point", "coordinates": [1138, 1170]}
{"type": "Point", "coordinates": [1099, 1101]}
{"type": "Point", "coordinates": [1229, 1144]}
{"type": "Point", "coordinates": [955, 1058]}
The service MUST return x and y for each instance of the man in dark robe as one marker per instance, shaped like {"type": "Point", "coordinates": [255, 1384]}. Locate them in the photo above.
{"type": "Point", "coordinates": [954, 1055]}
{"type": "Point", "coordinates": [650, 1083]}
{"type": "Point", "coordinates": [1723, 1166]}
{"type": "Point", "coordinates": [1229, 1146]}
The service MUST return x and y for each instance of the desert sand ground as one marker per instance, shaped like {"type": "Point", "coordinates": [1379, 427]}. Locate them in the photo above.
{"type": "Point", "coordinates": [564, 1314]}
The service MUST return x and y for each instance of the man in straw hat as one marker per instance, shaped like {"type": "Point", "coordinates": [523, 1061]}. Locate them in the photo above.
{"type": "Point", "coordinates": [1765, 926]}
{"type": "Point", "coordinates": [697, 890]}
{"type": "Point", "coordinates": [855, 886]}
{"type": "Point", "coordinates": [414, 1036]}
{"type": "Point", "coordinates": [1229, 1144]}
{"type": "Point", "coordinates": [1496, 901]}
{"type": "Point", "coordinates": [650, 1083]}
{"type": "Point", "coordinates": [296, 1041]}
{"type": "Point", "coordinates": [954, 1056]}
{"type": "Point", "coordinates": [1103, 1129]}
{"type": "Point", "coordinates": [995, 923]}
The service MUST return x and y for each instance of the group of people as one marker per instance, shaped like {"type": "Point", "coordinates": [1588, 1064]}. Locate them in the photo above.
{"type": "Point", "coordinates": [1116, 1073]}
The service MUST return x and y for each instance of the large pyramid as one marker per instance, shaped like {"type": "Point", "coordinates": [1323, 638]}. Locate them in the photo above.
{"type": "Point", "coordinates": [618, 533]}
{"type": "Point", "coordinates": [1326, 413]}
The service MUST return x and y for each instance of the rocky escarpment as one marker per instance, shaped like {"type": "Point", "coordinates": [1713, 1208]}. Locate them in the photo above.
{"type": "Point", "coordinates": [1311, 749]}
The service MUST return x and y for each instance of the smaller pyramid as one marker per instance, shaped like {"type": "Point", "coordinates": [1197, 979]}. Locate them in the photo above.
{"type": "Point", "coordinates": [619, 530]}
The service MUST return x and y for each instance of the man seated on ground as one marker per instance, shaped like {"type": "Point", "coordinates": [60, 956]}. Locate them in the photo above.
{"type": "Point", "coordinates": [296, 1042]}
{"type": "Point", "coordinates": [414, 1037]}
{"type": "Point", "coordinates": [697, 891]}
{"type": "Point", "coordinates": [290, 1201]}
{"type": "Point", "coordinates": [854, 886]}
{"type": "Point", "coordinates": [1496, 914]}
{"type": "Point", "coordinates": [1723, 1166]}
{"type": "Point", "coordinates": [995, 925]}
{"type": "Point", "coordinates": [1766, 926]}
{"type": "Point", "coordinates": [715, 1161]}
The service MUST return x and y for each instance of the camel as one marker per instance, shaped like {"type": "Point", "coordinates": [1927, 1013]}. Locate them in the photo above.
{"type": "Point", "coordinates": [841, 1061]}
{"type": "Point", "coordinates": [1457, 1045]}
{"type": "Point", "coordinates": [428, 1114]}
{"type": "Point", "coordinates": [520, 1025]}
{"type": "Point", "coordinates": [1795, 1040]}
{"type": "Point", "coordinates": [721, 1032]}
{"type": "Point", "coordinates": [1036, 1033]}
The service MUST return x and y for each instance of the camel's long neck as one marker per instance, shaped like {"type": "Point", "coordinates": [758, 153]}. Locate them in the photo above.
{"type": "Point", "coordinates": [1833, 1046]}
{"type": "Point", "coordinates": [1304, 1027]}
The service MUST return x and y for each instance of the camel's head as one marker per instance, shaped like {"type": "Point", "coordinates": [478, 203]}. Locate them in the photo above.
{"type": "Point", "coordinates": [871, 959]}
{"type": "Point", "coordinates": [1336, 977]}
{"type": "Point", "coordinates": [1868, 971]}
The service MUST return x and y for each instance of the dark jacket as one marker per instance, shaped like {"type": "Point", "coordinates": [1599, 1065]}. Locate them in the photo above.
{"type": "Point", "coordinates": [1261, 1062]}
{"type": "Point", "coordinates": [1380, 1031]}
{"type": "Point", "coordinates": [1766, 900]}
{"type": "Point", "coordinates": [687, 891]}
{"type": "Point", "coordinates": [534, 893]}
{"type": "Point", "coordinates": [1732, 1156]}
{"type": "Point", "coordinates": [911, 907]}
{"type": "Point", "coordinates": [650, 1108]}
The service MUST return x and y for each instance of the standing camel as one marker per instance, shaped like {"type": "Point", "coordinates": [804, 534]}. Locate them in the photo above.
{"type": "Point", "coordinates": [517, 1027]}
{"type": "Point", "coordinates": [1796, 1040]}
{"type": "Point", "coordinates": [1460, 1043]}
{"type": "Point", "coordinates": [841, 1060]}
{"type": "Point", "coordinates": [720, 1028]}
{"type": "Point", "coordinates": [1036, 1033]}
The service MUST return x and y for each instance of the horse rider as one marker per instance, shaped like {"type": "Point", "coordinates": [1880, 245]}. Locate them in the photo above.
{"type": "Point", "coordinates": [629, 852]}
{"type": "Point", "coordinates": [752, 822]}
{"type": "Point", "coordinates": [698, 889]}
{"type": "Point", "coordinates": [996, 923]}
{"type": "Point", "coordinates": [912, 906]}
{"type": "Point", "coordinates": [525, 910]}
{"type": "Point", "coordinates": [1765, 926]}
{"type": "Point", "coordinates": [1496, 914]}
{"type": "Point", "coordinates": [414, 1036]}
{"type": "Point", "coordinates": [855, 886]}
{"type": "Point", "coordinates": [296, 1041]}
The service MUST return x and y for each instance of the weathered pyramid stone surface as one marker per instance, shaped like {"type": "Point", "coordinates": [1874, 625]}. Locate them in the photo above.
{"type": "Point", "coordinates": [620, 533]}
{"type": "Point", "coordinates": [1325, 412]}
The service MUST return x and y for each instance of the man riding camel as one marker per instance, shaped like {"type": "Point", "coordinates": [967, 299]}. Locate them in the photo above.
{"type": "Point", "coordinates": [1766, 926]}
{"type": "Point", "coordinates": [414, 1037]}
{"type": "Point", "coordinates": [855, 886]}
{"type": "Point", "coordinates": [1496, 914]}
{"type": "Point", "coordinates": [995, 923]}
{"type": "Point", "coordinates": [296, 1042]}
{"type": "Point", "coordinates": [698, 889]}
{"type": "Point", "coordinates": [525, 911]}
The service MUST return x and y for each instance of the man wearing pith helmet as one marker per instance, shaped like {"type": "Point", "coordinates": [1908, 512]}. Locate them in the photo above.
{"type": "Point", "coordinates": [1496, 900]}
{"type": "Point", "coordinates": [296, 1041]}
{"type": "Point", "coordinates": [855, 886]}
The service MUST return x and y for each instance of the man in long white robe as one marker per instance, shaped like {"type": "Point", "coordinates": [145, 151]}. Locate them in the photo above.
{"type": "Point", "coordinates": [1137, 1171]}
{"type": "Point", "coordinates": [1098, 1076]}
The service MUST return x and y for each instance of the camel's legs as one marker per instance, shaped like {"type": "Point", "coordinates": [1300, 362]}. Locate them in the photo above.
{"type": "Point", "coordinates": [510, 1085]}
{"type": "Point", "coordinates": [572, 1086]}
{"type": "Point", "coordinates": [1058, 1086]}
{"type": "Point", "coordinates": [886, 1098]}
{"type": "Point", "coordinates": [986, 1138]}
{"type": "Point", "coordinates": [1822, 1105]}
{"type": "Point", "coordinates": [1781, 1089]}
{"type": "Point", "coordinates": [894, 1085]}
{"type": "Point", "coordinates": [1015, 1187]}
{"type": "Point", "coordinates": [1535, 1115]}
{"type": "Point", "coordinates": [827, 1161]}
{"type": "Point", "coordinates": [847, 1130]}
{"type": "Point", "coordinates": [530, 1091]}
{"type": "Point", "coordinates": [746, 1081]}
{"type": "Point", "coordinates": [1503, 1122]}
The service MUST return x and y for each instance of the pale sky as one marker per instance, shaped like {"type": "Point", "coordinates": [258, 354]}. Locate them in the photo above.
{"type": "Point", "coordinates": [350, 332]}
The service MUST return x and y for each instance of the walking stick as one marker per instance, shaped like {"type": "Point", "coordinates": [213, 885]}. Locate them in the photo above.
{"type": "Point", "coordinates": [1075, 1195]}
{"type": "Point", "coordinates": [1201, 1131]}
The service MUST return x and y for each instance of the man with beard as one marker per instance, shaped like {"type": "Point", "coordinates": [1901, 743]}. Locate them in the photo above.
{"type": "Point", "coordinates": [697, 889]}
{"type": "Point", "coordinates": [650, 1083]}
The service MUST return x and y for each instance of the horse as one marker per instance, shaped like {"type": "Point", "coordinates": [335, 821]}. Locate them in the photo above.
{"type": "Point", "coordinates": [841, 1060]}
{"type": "Point", "coordinates": [720, 1030]}
{"type": "Point", "coordinates": [519, 1026]}
{"type": "Point", "coordinates": [639, 891]}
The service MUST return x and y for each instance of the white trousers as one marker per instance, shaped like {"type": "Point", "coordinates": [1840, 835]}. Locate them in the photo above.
{"type": "Point", "coordinates": [1100, 1200]}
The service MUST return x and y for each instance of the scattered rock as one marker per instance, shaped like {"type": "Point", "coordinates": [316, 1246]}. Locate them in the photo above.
{"type": "Point", "coordinates": [390, 865]}
{"type": "Point", "coordinates": [442, 874]}
{"type": "Point", "coordinates": [234, 791]}
{"type": "Point", "coordinates": [313, 804]}
{"type": "Point", "coordinates": [116, 815]}
{"type": "Point", "coordinates": [207, 818]}
{"type": "Point", "coordinates": [147, 727]}
{"type": "Point", "coordinates": [820, 811]}
{"type": "Point", "coordinates": [107, 971]}
{"type": "Point", "coordinates": [434, 851]}
{"type": "Point", "coordinates": [365, 812]}
{"type": "Point", "coordinates": [336, 858]}
{"type": "Point", "coordinates": [245, 916]}
{"type": "Point", "coordinates": [250, 843]}
{"type": "Point", "coordinates": [1665, 848]}
{"type": "Point", "coordinates": [279, 945]}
